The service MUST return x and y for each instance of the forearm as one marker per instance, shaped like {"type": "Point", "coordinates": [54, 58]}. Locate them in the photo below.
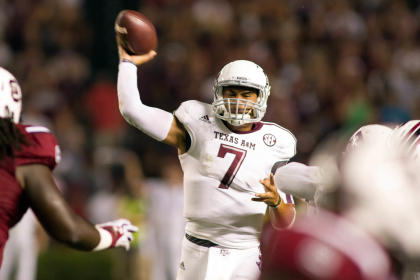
{"type": "Point", "coordinates": [61, 222]}
{"type": "Point", "coordinates": [53, 212]}
{"type": "Point", "coordinates": [152, 121]}
{"type": "Point", "coordinates": [283, 215]}
{"type": "Point", "coordinates": [298, 180]}
{"type": "Point", "coordinates": [75, 232]}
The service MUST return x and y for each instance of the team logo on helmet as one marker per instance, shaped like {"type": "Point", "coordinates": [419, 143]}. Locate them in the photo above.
{"type": "Point", "coordinates": [10, 96]}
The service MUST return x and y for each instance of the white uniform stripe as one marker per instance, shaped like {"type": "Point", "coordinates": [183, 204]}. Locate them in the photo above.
{"type": "Point", "coordinates": [33, 129]}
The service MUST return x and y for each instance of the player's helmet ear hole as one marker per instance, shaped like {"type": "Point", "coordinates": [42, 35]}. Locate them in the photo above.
{"type": "Point", "coordinates": [242, 74]}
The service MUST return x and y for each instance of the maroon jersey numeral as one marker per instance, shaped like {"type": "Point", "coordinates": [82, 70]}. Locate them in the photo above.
{"type": "Point", "coordinates": [234, 166]}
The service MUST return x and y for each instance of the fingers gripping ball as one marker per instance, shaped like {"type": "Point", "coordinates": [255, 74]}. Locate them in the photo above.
{"type": "Point", "coordinates": [118, 233]}
{"type": "Point", "coordinates": [135, 33]}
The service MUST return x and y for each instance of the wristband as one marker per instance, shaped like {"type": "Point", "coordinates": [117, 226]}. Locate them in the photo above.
{"type": "Point", "coordinates": [126, 60]}
{"type": "Point", "coordinates": [105, 239]}
{"type": "Point", "coordinates": [277, 204]}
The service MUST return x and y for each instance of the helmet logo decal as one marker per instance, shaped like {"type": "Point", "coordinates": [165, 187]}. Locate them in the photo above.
{"type": "Point", "coordinates": [269, 139]}
{"type": "Point", "coordinates": [10, 96]}
{"type": "Point", "coordinates": [15, 91]}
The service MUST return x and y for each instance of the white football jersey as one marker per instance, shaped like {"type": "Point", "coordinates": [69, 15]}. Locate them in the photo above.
{"type": "Point", "coordinates": [222, 170]}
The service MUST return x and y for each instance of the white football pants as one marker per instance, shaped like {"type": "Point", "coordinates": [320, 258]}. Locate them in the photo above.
{"type": "Point", "coordinates": [217, 263]}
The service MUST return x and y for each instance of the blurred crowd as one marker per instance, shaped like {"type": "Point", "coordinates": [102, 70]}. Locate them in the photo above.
{"type": "Point", "coordinates": [334, 65]}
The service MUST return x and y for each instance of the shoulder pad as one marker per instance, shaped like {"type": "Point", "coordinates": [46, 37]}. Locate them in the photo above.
{"type": "Point", "coordinates": [42, 147]}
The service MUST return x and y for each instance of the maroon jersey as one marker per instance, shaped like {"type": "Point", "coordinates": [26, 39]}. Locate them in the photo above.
{"type": "Point", "coordinates": [42, 149]}
{"type": "Point", "coordinates": [324, 247]}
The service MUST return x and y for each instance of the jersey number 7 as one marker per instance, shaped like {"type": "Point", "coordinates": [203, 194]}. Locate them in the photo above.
{"type": "Point", "coordinates": [234, 166]}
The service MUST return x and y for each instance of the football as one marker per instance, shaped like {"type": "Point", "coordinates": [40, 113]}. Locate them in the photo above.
{"type": "Point", "coordinates": [135, 32]}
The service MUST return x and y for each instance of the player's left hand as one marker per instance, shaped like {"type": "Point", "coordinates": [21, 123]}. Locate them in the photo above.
{"type": "Point", "coordinates": [271, 196]}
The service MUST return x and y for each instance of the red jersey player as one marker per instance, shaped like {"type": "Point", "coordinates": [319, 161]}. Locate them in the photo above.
{"type": "Point", "coordinates": [28, 154]}
{"type": "Point", "coordinates": [324, 246]}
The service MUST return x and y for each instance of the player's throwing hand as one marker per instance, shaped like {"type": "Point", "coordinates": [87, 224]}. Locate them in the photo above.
{"type": "Point", "coordinates": [136, 59]}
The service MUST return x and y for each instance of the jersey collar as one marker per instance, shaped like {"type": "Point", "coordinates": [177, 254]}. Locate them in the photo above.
{"type": "Point", "coordinates": [255, 127]}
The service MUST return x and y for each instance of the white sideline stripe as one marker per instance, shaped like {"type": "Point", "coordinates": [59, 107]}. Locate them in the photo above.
{"type": "Point", "coordinates": [32, 129]}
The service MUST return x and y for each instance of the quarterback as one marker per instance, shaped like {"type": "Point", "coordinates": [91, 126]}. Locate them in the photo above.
{"type": "Point", "coordinates": [228, 156]}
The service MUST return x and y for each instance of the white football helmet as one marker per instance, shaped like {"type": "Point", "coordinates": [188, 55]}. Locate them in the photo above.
{"type": "Point", "coordinates": [407, 135]}
{"type": "Point", "coordinates": [381, 194]}
{"type": "Point", "coordinates": [10, 96]}
{"type": "Point", "coordinates": [369, 134]}
{"type": "Point", "coordinates": [241, 73]}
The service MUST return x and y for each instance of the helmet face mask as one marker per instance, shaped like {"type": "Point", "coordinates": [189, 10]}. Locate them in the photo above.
{"type": "Point", "coordinates": [237, 111]}
{"type": "Point", "coordinates": [407, 136]}
{"type": "Point", "coordinates": [10, 96]}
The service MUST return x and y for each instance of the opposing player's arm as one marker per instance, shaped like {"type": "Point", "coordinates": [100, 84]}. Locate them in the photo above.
{"type": "Point", "coordinates": [55, 215]}
{"type": "Point", "coordinates": [60, 221]}
{"type": "Point", "coordinates": [157, 123]}
{"type": "Point", "coordinates": [298, 179]}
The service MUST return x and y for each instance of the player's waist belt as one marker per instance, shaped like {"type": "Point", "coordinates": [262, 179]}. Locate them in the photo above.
{"type": "Point", "coordinates": [200, 242]}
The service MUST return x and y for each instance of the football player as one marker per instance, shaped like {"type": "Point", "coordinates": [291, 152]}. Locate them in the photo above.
{"type": "Point", "coordinates": [28, 154]}
{"type": "Point", "coordinates": [323, 246]}
{"type": "Point", "coordinates": [407, 135]}
{"type": "Point", "coordinates": [309, 182]}
{"type": "Point", "coordinates": [379, 168]}
{"type": "Point", "coordinates": [227, 155]}
{"type": "Point", "coordinates": [357, 186]}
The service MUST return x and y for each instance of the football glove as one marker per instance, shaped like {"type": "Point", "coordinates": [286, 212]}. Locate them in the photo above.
{"type": "Point", "coordinates": [118, 233]}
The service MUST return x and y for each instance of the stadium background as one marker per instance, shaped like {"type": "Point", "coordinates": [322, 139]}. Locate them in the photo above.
{"type": "Point", "coordinates": [334, 65]}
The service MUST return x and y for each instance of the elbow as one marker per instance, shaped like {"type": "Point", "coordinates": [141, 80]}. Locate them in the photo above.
{"type": "Point", "coordinates": [124, 110]}
{"type": "Point", "coordinates": [126, 113]}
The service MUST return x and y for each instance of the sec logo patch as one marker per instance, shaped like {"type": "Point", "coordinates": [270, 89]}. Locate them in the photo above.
{"type": "Point", "coordinates": [269, 139]}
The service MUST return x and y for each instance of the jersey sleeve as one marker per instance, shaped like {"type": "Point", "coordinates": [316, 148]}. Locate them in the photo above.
{"type": "Point", "coordinates": [285, 150]}
{"type": "Point", "coordinates": [285, 145]}
{"type": "Point", "coordinates": [290, 145]}
{"type": "Point", "coordinates": [194, 116]}
{"type": "Point", "coordinates": [42, 148]}
{"type": "Point", "coordinates": [184, 111]}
